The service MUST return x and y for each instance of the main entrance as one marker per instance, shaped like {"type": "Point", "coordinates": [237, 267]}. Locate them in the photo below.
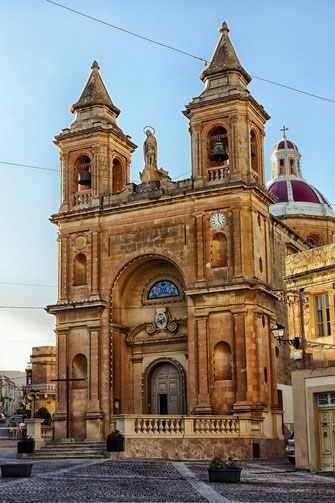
{"type": "Point", "coordinates": [165, 390]}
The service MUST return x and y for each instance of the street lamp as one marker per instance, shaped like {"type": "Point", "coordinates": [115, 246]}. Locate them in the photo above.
{"type": "Point", "coordinates": [34, 393]}
{"type": "Point", "coordinates": [278, 332]}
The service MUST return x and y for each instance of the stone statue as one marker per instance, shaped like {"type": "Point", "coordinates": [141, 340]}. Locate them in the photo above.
{"type": "Point", "coordinates": [150, 151]}
{"type": "Point", "coordinates": [151, 172]}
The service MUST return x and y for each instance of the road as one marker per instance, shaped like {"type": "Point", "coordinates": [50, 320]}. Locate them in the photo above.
{"type": "Point", "coordinates": [161, 481]}
{"type": "Point", "coordinates": [4, 430]}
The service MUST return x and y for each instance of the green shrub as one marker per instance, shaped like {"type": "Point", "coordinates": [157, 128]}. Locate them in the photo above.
{"type": "Point", "coordinates": [43, 413]}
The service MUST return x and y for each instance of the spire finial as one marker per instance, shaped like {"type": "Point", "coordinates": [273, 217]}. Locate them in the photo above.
{"type": "Point", "coordinates": [284, 129]}
{"type": "Point", "coordinates": [224, 27]}
{"type": "Point", "coordinates": [95, 65]}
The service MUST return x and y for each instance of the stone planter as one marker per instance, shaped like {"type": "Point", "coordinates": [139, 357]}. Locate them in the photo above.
{"type": "Point", "coordinates": [16, 470]}
{"type": "Point", "coordinates": [24, 447]}
{"type": "Point", "coordinates": [115, 444]}
{"type": "Point", "coordinates": [224, 475]}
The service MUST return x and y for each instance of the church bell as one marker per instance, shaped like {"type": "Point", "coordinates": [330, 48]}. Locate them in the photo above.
{"type": "Point", "coordinates": [219, 154]}
{"type": "Point", "coordinates": [252, 152]}
{"type": "Point", "coordinates": [85, 177]}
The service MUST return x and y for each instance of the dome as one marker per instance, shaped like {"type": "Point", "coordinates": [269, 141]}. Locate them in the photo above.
{"type": "Point", "coordinates": [295, 195]}
{"type": "Point", "coordinates": [284, 144]}
{"type": "Point", "coordinates": [296, 190]}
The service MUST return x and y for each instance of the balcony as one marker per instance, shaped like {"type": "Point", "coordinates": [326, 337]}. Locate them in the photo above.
{"type": "Point", "coordinates": [43, 389]}
{"type": "Point", "coordinates": [219, 174]}
{"type": "Point", "coordinates": [82, 198]}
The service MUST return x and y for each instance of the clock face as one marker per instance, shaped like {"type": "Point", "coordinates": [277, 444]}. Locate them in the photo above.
{"type": "Point", "coordinates": [217, 220]}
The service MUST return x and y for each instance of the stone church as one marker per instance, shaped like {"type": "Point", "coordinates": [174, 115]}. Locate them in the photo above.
{"type": "Point", "coordinates": [168, 290]}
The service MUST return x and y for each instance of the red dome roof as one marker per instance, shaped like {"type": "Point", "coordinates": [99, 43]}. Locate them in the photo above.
{"type": "Point", "coordinates": [284, 144]}
{"type": "Point", "coordinates": [301, 191]}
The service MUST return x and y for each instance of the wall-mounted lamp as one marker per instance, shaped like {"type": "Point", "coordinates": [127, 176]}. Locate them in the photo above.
{"type": "Point", "coordinates": [278, 332]}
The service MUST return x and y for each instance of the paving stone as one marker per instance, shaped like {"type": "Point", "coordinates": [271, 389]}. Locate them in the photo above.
{"type": "Point", "coordinates": [161, 481]}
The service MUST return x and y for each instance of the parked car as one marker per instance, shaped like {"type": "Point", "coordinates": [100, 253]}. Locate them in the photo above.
{"type": "Point", "coordinates": [16, 421]}
{"type": "Point", "coordinates": [2, 418]}
{"type": "Point", "coordinates": [290, 449]}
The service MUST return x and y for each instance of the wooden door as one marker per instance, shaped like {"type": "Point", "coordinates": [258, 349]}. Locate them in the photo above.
{"type": "Point", "coordinates": [166, 390]}
{"type": "Point", "coordinates": [327, 439]}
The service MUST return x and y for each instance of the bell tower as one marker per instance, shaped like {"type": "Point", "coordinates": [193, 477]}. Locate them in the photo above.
{"type": "Point", "coordinates": [95, 153]}
{"type": "Point", "coordinates": [226, 122]}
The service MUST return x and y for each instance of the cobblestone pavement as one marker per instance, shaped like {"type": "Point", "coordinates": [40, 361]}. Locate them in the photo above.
{"type": "Point", "coordinates": [160, 481]}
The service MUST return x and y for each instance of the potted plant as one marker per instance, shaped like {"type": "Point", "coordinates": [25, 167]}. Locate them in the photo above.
{"type": "Point", "coordinates": [26, 445]}
{"type": "Point", "coordinates": [43, 413]}
{"type": "Point", "coordinates": [16, 470]}
{"type": "Point", "coordinates": [220, 470]}
{"type": "Point", "coordinates": [115, 441]}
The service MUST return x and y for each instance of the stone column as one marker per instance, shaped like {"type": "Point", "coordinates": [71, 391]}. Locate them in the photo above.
{"type": "Point", "coordinates": [203, 402]}
{"type": "Point", "coordinates": [241, 404]}
{"type": "Point", "coordinates": [137, 397]}
{"type": "Point", "coordinates": [237, 244]}
{"type": "Point", "coordinates": [200, 247]}
{"type": "Point", "coordinates": [94, 416]}
{"type": "Point", "coordinates": [95, 264]}
{"type": "Point", "coordinates": [59, 417]}
{"type": "Point", "coordinates": [63, 256]}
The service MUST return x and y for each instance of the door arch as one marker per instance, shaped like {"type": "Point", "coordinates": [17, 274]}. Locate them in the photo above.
{"type": "Point", "coordinates": [165, 388]}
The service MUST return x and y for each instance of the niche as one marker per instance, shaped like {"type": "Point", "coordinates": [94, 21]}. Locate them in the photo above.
{"type": "Point", "coordinates": [80, 270]}
{"type": "Point", "coordinates": [222, 362]}
{"type": "Point", "coordinates": [219, 251]}
{"type": "Point", "coordinates": [118, 176]}
{"type": "Point", "coordinates": [79, 371]}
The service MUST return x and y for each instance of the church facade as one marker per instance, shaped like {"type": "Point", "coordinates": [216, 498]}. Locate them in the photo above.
{"type": "Point", "coordinates": [168, 290]}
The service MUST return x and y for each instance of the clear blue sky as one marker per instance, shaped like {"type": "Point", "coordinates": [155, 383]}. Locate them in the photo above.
{"type": "Point", "coordinates": [46, 57]}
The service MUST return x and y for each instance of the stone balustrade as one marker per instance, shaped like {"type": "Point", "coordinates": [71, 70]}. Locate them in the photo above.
{"type": "Point", "coordinates": [219, 174]}
{"type": "Point", "coordinates": [139, 426]}
{"type": "Point", "coordinates": [82, 198]}
{"type": "Point", "coordinates": [46, 432]}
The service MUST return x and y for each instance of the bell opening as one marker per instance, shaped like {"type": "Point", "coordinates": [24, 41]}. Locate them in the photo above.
{"type": "Point", "coordinates": [83, 175]}
{"type": "Point", "coordinates": [218, 151]}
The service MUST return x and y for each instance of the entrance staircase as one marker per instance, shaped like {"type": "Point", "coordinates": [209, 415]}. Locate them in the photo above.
{"type": "Point", "coordinates": [71, 450]}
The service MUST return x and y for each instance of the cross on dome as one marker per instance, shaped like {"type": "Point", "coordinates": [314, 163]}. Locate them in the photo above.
{"type": "Point", "coordinates": [284, 129]}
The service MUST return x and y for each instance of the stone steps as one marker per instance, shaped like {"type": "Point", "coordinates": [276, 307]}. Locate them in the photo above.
{"type": "Point", "coordinates": [71, 450]}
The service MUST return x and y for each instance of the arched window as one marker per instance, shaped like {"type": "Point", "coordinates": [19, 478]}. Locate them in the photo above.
{"type": "Point", "coordinates": [118, 176]}
{"type": "Point", "coordinates": [80, 270]}
{"type": "Point", "coordinates": [314, 240]}
{"type": "Point", "coordinates": [222, 362]}
{"type": "Point", "coordinates": [219, 251]}
{"type": "Point", "coordinates": [79, 371]}
{"type": "Point", "coordinates": [163, 289]}
{"type": "Point", "coordinates": [282, 167]}
{"type": "Point", "coordinates": [254, 152]}
{"type": "Point", "coordinates": [292, 171]}
{"type": "Point", "coordinates": [217, 147]}
{"type": "Point", "coordinates": [82, 173]}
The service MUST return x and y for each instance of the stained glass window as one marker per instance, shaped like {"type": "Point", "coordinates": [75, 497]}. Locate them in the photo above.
{"type": "Point", "coordinates": [163, 289]}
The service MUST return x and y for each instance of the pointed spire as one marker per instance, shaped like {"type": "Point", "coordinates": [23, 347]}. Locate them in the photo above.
{"type": "Point", "coordinates": [95, 93]}
{"type": "Point", "coordinates": [224, 57]}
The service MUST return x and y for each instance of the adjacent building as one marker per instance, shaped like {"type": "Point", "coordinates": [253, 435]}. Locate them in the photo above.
{"type": "Point", "coordinates": [310, 281]}
{"type": "Point", "coordinates": [40, 389]}
{"type": "Point", "coordinates": [11, 391]}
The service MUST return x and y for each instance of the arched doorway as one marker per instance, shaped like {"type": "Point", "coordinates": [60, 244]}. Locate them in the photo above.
{"type": "Point", "coordinates": [165, 386]}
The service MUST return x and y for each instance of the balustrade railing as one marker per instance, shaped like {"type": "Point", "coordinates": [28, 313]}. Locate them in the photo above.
{"type": "Point", "coordinates": [159, 425]}
{"type": "Point", "coordinates": [82, 198]}
{"type": "Point", "coordinates": [46, 432]}
{"type": "Point", "coordinates": [216, 426]}
{"type": "Point", "coordinates": [182, 426]}
{"type": "Point", "coordinates": [218, 174]}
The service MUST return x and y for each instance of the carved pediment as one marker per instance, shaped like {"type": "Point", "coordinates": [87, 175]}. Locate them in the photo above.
{"type": "Point", "coordinates": [150, 333]}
